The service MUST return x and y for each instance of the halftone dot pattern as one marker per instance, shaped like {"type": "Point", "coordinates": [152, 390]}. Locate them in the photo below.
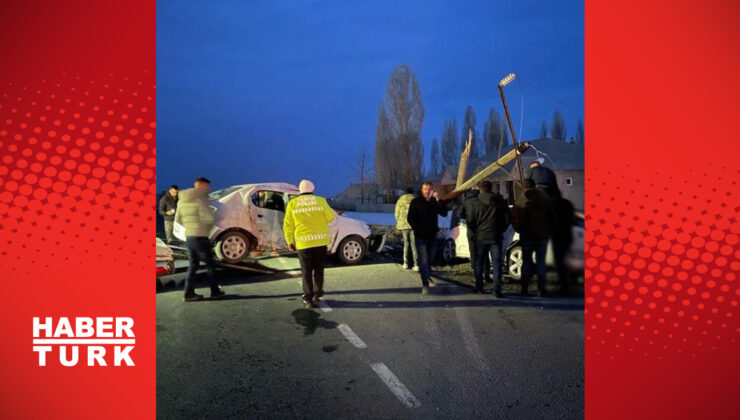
{"type": "Point", "coordinates": [662, 258]}
{"type": "Point", "coordinates": [77, 155]}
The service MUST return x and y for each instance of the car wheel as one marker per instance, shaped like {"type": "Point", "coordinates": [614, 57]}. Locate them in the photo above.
{"type": "Point", "coordinates": [448, 251]}
{"type": "Point", "coordinates": [351, 250]}
{"type": "Point", "coordinates": [232, 247]}
{"type": "Point", "coordinates": [515, 263]}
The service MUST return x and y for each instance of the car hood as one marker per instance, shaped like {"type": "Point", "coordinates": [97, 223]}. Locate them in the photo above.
{"type": "Point", "coordinates": [351, 226]}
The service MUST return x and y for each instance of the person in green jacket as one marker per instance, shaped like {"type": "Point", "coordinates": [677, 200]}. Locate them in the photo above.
{"type": "Point", "coordinates": [194, 214]}
{"type": "Point", "coordinates": [306, 229]}
{"type": "Point", "coordinates": [409, 241]}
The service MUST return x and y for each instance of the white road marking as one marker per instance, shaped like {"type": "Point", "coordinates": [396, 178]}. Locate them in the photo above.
{"type": "Point", "coordinates": [430, 325]}
{"type": "Point", "coordinates": [351, 336]}
{"type": "Point", "coordinates": [471, 343]}
{"type": "Point", "coordinates": [325, 306]}
{"type": "Point", "coordinates": [397, 388]}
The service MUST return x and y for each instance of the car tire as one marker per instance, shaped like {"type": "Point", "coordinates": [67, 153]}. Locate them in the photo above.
{"type": "Point", "coordinates": [514, 262]}
{"type": "Point", "coordinates": [448, 251]}
{"type": "Point", "coordinates": [351, 250]}
{"type": "Point", "coordinates": [232, 247]}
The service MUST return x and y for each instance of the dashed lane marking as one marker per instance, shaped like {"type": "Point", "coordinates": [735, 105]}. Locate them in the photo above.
{"type": "Point", "coordinates": [396, 386]}
{"type": "Point", "coordinates": [351, 336]}
{"type": "Point", "coordinates": [470, 340]}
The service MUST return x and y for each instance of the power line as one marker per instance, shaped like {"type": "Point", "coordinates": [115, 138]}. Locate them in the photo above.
{"type": "Point", "coordinates": [556, 99]}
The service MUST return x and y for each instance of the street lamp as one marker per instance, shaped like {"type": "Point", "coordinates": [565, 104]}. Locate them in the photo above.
{"type": "Point", "coordinates": [505, 81]}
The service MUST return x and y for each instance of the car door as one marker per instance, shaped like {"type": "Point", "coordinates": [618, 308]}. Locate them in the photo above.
{"type": "Point", "coordinates": [268, 210]}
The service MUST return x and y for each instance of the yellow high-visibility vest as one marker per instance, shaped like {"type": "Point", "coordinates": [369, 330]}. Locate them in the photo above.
{"type": "Point", "coordinates": [306, 222]}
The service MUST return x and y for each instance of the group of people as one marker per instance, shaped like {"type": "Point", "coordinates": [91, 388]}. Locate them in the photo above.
{"type": "Point", "coordinates": [540, 213]}
{"type": "Point", "coordinates": [305, 226]}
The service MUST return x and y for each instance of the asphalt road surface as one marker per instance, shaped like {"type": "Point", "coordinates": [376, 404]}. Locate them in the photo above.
{"type": "Point", "coordinates": [376, 349]}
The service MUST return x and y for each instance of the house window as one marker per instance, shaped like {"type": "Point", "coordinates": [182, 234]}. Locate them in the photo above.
{"type": "Point", "coordinates": [497, 188]}
{"type": "Point", "coordinates": [510, 191]}
{"type": "Point", "coordinates": [569, 181]}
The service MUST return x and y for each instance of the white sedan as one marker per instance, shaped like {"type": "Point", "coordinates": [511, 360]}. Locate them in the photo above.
{"type": "Point", "coordinates": [456, 246]}
{"type": "Point", "coordinates": [248, 219]}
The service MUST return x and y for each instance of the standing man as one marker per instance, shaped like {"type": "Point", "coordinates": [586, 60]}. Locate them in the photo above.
{"type": "Point", "coordinates": [195, 215]}
{"type": "Point", "coordinates": [469, 202]}
{"type": "Point", "coordinates": [422, 218]}
{"type": "Point", "coordinates": [533, 217]}
{"type": "Point", "coordinates": [543, 178]}
{"type": "Point", "coordinates": [402, 224]}
{"type": "Point", "coordinates": [167, 208]}
{"type": "Point", "coordinates": [562, 237]}
{"type": "Point", "coordinates": [489, 214]}
{"type": "Point", "coordinates": [306, 229]}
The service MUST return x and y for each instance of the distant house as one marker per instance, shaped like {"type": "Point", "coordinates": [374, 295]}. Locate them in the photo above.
{"type": "Point", "coordinates": [358, 195]}
{"type": "Point", "coordinates": [565, 159]}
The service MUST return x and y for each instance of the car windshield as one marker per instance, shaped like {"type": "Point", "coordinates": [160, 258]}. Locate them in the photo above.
{"type": "Point", "coordinates": [219, 194]}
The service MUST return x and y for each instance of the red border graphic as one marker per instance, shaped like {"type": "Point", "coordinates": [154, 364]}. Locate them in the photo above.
{"type": "Point", "coordinates": [661, 200]}
{"type": "Point", "coordinates": [77, 185]}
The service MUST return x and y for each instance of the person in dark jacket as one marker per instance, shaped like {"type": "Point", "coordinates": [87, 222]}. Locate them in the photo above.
{"type": "Point", "coordinates": [562, 237]}
{"type": "Point", "coordinates": [533, 217]}
{"type": "Point", "coordinates": [167, 208]}
{"type": "Point", "coordinates": [488, 217]}
{"type": "Point", "coordinates": [543, 178]}
{"type": "Point", "coordinates": [463, 211]}
{"type": "Point", "coordinates": [422, 217]}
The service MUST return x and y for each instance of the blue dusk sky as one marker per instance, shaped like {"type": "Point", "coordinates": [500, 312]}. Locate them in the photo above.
{"type": "Point", "coordinates": [261, 91]}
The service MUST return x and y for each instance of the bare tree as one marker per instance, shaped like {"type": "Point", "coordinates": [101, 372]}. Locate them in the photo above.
{"type": "Point", "coordinates": [543, 130]}
{"type": "Point", "coordinates": [435, 162]}
{"type": "Point", "coordinates": [495, 133]}
{"type": "Point", "coordinates": [363, 170]}
{"type": "Point", "coordinates": [383, 152]}
{"type": "Point", "coordinates": [580, 132]}
{"type": "Point", "coordinates": [399, 151]}
{"type": "Point", "coordinates": [557, 131]}
{"type": "Point", "coordinates": [449, 145]}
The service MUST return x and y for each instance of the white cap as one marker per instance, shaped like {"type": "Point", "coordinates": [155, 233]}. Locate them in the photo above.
{"type": "Point", "coordinates": [305, 186]}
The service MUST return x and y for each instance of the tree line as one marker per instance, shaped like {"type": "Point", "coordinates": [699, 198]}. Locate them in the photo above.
{"type": "Point", "coordinates": [399, 154]}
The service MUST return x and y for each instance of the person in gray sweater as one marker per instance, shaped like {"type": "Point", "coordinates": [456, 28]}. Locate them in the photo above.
{"type": "Point", "coordinates": [194, 214]}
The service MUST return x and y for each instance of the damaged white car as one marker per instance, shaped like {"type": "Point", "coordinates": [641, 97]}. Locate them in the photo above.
{"type": "Point", "coordinates": [249, 219]}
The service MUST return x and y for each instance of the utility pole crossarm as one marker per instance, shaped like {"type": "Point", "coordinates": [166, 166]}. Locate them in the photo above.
{"type": "Point", "coordinates": [488, 170]}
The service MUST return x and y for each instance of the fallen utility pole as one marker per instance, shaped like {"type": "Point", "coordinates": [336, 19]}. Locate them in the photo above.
{"type": "Point", "coordinates": [488, 170]}
{"type": "Point", "coordinates": [462, 168]}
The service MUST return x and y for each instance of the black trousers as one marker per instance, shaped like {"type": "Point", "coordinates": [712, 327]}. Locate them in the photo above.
{"type": "Point", "coordinates": [199, 246]}
{"type": "Point", "coordinates": [312, 267]}
{"type": "Point", "coordinates": [473, 248]}
{"type": "Point", "coordinates": [560, 248]}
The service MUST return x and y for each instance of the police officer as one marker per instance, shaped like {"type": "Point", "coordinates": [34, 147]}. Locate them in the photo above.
{"type": "Point", "coordinates": [306, 229]}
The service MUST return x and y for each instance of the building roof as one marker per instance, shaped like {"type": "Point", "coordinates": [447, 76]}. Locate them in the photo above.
{"type": "Point", "coordinates": [356, 190]}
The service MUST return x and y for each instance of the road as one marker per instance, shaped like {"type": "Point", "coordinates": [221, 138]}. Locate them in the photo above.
{"type": "Point", "coordinates": [376, 349]}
